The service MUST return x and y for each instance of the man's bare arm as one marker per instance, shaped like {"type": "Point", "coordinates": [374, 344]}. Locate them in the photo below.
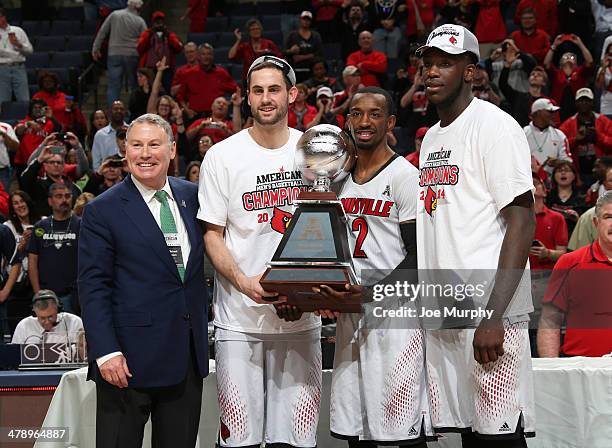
{"type": "Point", "coordinates": [520, 221]}
{"type": "Point", "coordinates": [549, 331]}
{"type": "Point", "coordinates": [224, 264]}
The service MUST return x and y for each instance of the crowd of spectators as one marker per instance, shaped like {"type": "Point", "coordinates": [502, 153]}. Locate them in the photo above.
{"type": "Point", "coordinates": [548, 63]}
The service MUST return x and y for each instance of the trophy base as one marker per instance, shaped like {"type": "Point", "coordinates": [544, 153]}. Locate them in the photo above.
{"type": "Point", "coordinates": [297, 283]}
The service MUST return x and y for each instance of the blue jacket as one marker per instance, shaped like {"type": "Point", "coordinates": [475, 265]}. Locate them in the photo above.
{"type": "Point", "coordinates": [132, 297]}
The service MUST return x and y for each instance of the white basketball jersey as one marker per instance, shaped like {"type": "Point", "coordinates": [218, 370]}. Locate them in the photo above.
{"type": "Point", "coordinates": [374, 211]}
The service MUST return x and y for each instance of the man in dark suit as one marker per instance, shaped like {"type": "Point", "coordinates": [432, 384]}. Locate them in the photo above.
{"type": "Point", "coordinates": [143, 296]}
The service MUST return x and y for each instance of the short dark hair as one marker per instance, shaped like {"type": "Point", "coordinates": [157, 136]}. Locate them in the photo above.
{"type": "Point", "coordinates": [56, 186]}
{"type": "Point", "coordinates": [374, 90]}
{"type": "Point", "coordinates": [47, 74]}
{"type": "Point", "coordinates": [528, 11]}
{"type": "Point", "coordinates": [356, 3]}
{"type": "Point", "coordinates": [318, 60]}
{"type": "Point", "coordinates": [2, 11]}
{"type": "Point", "coordinates": [34, 103]}
{"type": "Point", "coordinates": [147, 72]}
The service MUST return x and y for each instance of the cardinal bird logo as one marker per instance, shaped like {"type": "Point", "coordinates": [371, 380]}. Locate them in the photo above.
{"type": "Point", "coordinates": [224, 432]}
{"type": "Point", "coordinates": [280, 220]}
{"type": "Point", "coordinates": [452, 40]}
{"type": "Point", "coordinates": [431, 202]}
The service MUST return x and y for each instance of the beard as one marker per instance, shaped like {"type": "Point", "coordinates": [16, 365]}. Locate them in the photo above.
{"type": "Point", "coordinates": [281, 113]}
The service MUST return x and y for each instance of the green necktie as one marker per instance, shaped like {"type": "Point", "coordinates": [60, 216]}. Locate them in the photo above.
{"type": "Point", "coordinates": [168, 226]}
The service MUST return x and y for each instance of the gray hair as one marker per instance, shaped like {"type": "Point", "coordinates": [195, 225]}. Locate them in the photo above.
{"type": "Point", "coordinates": [602, 201]}
{"type": "Point", "coordinates": [43, 304]}
{"type": "Point", "coordinates": [156, 120]}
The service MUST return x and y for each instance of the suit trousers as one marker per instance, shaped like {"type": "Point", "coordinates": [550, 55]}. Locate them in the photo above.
{"type": "Point", "coordinates": [121, 414]}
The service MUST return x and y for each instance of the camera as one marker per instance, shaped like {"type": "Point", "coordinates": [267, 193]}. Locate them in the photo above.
{"type": "Point", "coordinates": [115, 164]}
{"type": "Point", "coordinates": [61, 136]}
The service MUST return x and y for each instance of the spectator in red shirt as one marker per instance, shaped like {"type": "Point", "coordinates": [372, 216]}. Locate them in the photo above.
{"type": "Point", "coordinates": [325, 14]}
{"type": "Point", "coordinates": [545, 11]}
{"type": "Point", "coordinates": [201, 85]}
{"type": "Point", "coordinates": [490, 27]}
{"type": "Point", "coordinates": [579, 295]}
{"type": "Point", "coordinates": [352, 82]}
{"type": "Point", "coordinates": [600, 169]}
{"type": "Point", "coordinates": [589, 134]}
{"type": "Point", "coordinates": [371, 64]}
{"type": "Point", "coordinates": [569, 76]}
{"type": "Point", "coordinates": [531, 39]}
{"type": "Point", "coordinates": [64, 109]}
{"type": "Point", "coordinates": [550, 234]}
{"type": "Point", "coordinates": [197, 11]}
{"type": "Point", "coordinates": [413, 157]}
{"type": "Point", "coordinates": [253, 48]}
{"type": "Point", "coordinates": [420, 17]}
{"type": "Point", "coordinates": [190, 50]}
{"type": "Point", "coordinates": [301, 113]}
{"type": "Point", "coordinates": [32, 130]}
{"type": "Point", "coordinates": [217, 126]}
{"type": "Point", "coordinates": [156, 43]}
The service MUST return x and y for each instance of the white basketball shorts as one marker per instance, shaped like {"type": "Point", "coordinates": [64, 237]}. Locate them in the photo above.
{"type": "Point", "coordinates": [493, 399]}
{"type": "Point", "coordinates": [268, 390]}
{"type": "Point", "coordinates": [379, 390]}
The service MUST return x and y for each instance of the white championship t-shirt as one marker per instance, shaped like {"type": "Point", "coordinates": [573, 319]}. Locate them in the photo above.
{"type": "Point", "coordinates": [374, 211]}
{"type": "Point", "coordinates": [470, 170]}
{"type": "Point", "coordinates": [250, 190]}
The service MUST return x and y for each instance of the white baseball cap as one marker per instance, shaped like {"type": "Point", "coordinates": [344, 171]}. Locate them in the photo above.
{"type": "Point", "coordinates": [585, 91]}
{"type": "Point", "coordinates": [453, 39]}
{"type": "Point", "coordinates": [543, 104]}
{"type": "Point", "coordinates": [325, 91]}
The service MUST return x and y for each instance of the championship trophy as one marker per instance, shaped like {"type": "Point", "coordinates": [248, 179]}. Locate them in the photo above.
{"type": "Point", "coordinates": [314, 250]}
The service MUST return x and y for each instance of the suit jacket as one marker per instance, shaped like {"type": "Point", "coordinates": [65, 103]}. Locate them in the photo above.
{"type": "Point", "coordinates": [132, 297]}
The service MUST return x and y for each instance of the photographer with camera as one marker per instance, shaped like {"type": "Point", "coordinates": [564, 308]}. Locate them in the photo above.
{"type": "Point", "coordinates": [589, 135]}
{"type": "Point", "coordinates": [76, 162]}
{"type": "Point", "coordinates": [569, 76]}
{"type": "Point", "coordinates": [110, 173]}
{"type": "Point", "coordinates": [52, 159]}
{"type": "Point", "coordinates": [325, 114]}
{"type": "Point", "coordinates": [32, 130]}
{"type": "Point", "coordinates": [157, 42]}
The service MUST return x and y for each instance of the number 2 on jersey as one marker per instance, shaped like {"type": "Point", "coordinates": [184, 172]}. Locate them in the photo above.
{"type": "Point", "coordinates": [360, 225]}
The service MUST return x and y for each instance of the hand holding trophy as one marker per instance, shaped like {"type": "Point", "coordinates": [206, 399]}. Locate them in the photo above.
{"type": "Point", "coordinates": [314, 250]}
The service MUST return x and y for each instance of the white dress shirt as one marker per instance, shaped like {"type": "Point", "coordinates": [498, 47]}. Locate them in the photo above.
{"type": "Point", "coordinates": [148, 195]}
{"type": "Point", "coordinates": [10, 54]}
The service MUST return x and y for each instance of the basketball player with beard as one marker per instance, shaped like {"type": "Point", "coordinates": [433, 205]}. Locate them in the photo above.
{"type": "Point", "coordinates": [476, 218]}
{"type": "Point", "coordinates": [268, 369]}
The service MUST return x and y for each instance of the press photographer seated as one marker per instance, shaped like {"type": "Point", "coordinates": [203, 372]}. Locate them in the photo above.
{"type": "Point", "coordinates": [49, 325]}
